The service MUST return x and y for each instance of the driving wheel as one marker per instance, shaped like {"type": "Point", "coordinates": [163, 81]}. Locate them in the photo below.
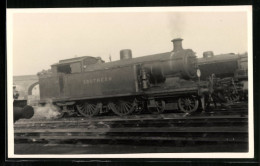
{"type": "Point", "coordinates": [89, 109]}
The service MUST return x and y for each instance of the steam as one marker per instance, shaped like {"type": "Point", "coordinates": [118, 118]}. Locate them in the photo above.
{"type": "Point", "coordinates": [176, 24]}
{"type": "Point", "coordinates": [48, 111]}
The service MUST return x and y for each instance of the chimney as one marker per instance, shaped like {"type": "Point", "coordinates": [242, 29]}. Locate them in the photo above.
{"type": "Point", "coordinates": [177, 44]}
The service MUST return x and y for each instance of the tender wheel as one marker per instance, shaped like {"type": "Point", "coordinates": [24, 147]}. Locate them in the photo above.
{"type": "Point", "coordinates": [159, 107]}
{"type": "Point", "coordinates": [89, 109]}
{"type": "Point", "coordinates": [188, 104]}
{"type": "Point", "coordinates": [122, 108]}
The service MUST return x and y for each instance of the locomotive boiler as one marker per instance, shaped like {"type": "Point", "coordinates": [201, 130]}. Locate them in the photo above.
{"type": "Point", "coordinates": [155, 82]}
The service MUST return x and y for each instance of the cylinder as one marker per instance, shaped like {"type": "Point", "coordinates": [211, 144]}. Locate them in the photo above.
{"type": "Point", "coordinates": [125, 54]}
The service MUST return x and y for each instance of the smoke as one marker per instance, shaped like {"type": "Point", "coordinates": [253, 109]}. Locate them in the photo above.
{"type": "Point", "coordinates": [176, 25]}
{"type": "Point", "coordinates": [48, 111]}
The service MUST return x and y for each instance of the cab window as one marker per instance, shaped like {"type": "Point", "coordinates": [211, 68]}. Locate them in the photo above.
{"type": "Point", "coordinates": [69, 68]}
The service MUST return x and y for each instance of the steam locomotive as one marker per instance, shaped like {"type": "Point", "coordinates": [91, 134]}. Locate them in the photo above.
{"type": "Point", "coordinates": [230, 72]}
{"type": "Point", "coordinates": [156, 83]}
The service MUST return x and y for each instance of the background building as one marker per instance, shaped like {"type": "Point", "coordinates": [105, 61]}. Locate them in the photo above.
{"type": "Point", "coordinates": [28, 88]}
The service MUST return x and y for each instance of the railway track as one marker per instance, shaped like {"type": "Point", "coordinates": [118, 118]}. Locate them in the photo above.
{"type": "Point", "coordinates": [135, 122]}
{"type": "Point", "coordinates": [222, 127]}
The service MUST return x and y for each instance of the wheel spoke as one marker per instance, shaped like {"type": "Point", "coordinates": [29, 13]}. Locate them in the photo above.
{"type": "Point", "coordinates": [126, 108]}
{"type": "Point", "coordinates": [188, 104]}
{"type": "Point", "coordinates": [128, 105]}
{"type": "Point", "coordinates": [186, 107]}
{"type": "Point", "coordinates": [89, 109]}
{"type": "Point", "coordinates": [192, 104]}
{"type": "Point", "coordinates": [122, 108]}
{"type": "Point", "coordinates": [189, 107]}
{"type": "Point", "coordinates": [92, 107]}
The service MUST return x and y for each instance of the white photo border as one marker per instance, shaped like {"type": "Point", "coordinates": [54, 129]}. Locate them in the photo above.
{"type": "Point", "coordinates": [10, 132]}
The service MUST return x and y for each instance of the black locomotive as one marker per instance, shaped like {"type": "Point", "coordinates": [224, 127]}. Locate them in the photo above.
{"type": "Point", "coordinates": [156, 83]}
{"type": "Point", "coordinates": [228, 74]}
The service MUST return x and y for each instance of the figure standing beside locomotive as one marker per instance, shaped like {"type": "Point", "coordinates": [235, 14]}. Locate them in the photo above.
{"type": "Point", "coordinates": [158, 82]}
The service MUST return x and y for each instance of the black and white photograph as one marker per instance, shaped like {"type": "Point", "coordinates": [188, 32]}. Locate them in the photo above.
{"type": "Point", "coordinates": [130, 82]}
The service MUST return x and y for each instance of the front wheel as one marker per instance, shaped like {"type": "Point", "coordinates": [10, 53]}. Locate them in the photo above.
{"type": "Point", "coordinates": [188, 104]}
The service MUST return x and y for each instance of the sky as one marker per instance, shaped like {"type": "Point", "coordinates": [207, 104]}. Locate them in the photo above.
{"type": "Point", "coordinates": [42, 39]}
